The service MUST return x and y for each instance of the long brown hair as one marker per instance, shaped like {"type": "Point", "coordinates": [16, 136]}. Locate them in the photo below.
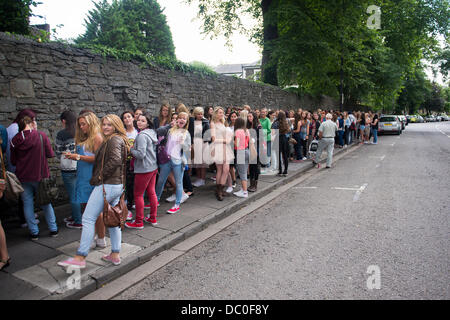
{"type": "Point", "coordinates": [169, 113]}
{"type": "Point", "coordinates": [283, 126]}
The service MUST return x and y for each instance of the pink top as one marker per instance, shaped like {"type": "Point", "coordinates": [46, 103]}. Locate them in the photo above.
{"type": "Point", "coordinates": [241, 139]}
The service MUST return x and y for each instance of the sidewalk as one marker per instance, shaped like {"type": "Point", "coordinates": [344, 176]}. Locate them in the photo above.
{"type": "Point", "coordinates": [34, 275]}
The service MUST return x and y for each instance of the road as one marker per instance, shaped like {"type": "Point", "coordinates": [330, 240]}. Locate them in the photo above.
{"type": "Point", "coordinates": [375, 226]}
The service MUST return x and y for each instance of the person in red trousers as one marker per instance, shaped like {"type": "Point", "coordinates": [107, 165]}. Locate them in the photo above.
{"type": "Point", "coordinates": [145, 170]}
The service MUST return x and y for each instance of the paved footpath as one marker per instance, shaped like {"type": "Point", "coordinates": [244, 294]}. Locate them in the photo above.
{"type": "Point", "coordinates": [34, 275]}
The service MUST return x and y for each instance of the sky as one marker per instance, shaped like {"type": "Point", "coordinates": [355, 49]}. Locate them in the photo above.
{"type": "Point", "coordinates": [190, 45]}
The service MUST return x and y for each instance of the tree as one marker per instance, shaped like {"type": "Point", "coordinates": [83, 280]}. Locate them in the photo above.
{"type": "Point", "coordinates": [224, 17]}
{"type": "Point", "coordinates": [414, 92]}
{"type": "Point", "coordinates": [132, 25]}
{"type": "Point", "coordinates": [434, 100]}
{"type": "Point", "coordinates": [15, 14]}
{"type": "Point", "coordinates": [321, 44]}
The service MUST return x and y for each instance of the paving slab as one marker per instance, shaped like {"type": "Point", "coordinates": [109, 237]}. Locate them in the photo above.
{"type": "Point", "coordinates": [51, 277]}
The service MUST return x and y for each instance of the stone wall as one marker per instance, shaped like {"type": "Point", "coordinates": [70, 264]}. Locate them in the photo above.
{"type": "Point", "coordinates": [51, 78]}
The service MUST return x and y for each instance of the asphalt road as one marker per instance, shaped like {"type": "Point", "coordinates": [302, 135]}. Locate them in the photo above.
{"type": "Point", "coordinates": [375, 226]}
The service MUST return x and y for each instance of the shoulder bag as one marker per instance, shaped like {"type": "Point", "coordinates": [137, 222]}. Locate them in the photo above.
{"type": "Point", "coordinates": [13, 186]}
{"type": "Point", "coordinates": [114, 216]}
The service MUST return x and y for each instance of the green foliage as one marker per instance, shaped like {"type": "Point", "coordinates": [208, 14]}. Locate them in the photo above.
{"type": "Point", "coordinates": [314, 36]}
{"type": "Point", "coordinates": [434, 100]}
{"type": "Point", "coordinates": [148, 59]}
{"type": "Point", "coordinates": [416, 88]}
{"type": "Point", "coordinates": [14, 16]}
{"type": "Point", "coordinates": [130, 25]}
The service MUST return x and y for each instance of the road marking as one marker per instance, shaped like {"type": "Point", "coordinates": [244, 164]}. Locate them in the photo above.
{"type": "Point", "coordinates": [441, 131]}
{"type": "Point", "coordinates": [392, 144]}
{"type": "Point", "coordinates": [349, 189]}
{"type": "Point", "coordinates": [305, 187]}
{"type": "Point", "coordinates": [358, 193]}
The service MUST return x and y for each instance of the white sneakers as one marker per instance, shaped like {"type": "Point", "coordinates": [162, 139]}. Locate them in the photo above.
{"type": "Point", "coordinates": [229, 190]}
{"type": "Point", "coordinates": [199, 183]}
{"type": "Point", "coordinates": [241, 194]}
{"type": "Point", "coordinates": [173, 197]}
{"type": "Point", "coordinates": [100, 243]}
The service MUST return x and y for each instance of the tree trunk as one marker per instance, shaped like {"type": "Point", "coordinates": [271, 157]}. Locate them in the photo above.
{"type": "Point", "coordinates": [269, 64]}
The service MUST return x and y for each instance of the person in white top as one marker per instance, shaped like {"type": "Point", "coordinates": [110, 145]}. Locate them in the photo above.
{"type": "Point", "coordinates": [221, 150]}
{"type": "Point", "coordinates": [327, 132]}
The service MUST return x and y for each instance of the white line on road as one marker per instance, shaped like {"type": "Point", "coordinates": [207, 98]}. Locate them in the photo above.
{"type": "Point", "coordinates": [358, 193]}
{"type": "Point", "coordinates": [349, 189]}
{"type": "Point", "coordinates": [392, 144]}
{"type": "Point", "coordinates": [441, 131]}
{"type": "Point", "coordinates": [305, 187]}
{"type": "Point", "coordinates": [378, 157]}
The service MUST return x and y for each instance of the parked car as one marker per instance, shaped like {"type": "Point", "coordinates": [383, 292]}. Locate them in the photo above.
{"type": "Point", "coordinates": [389, 124]}
{"type": "Point", "coordinates": [408, 119]}
{"type": "Point", "coordinates": [402, 120]}
{"type": "Point", "coordinates": [413, 119]}
{"type": "Point", "coordinates": [420, 119]}
{"type": "Point", "coordinates": [444, 117]}
{"type": "Point", "coordinates": [430, 118]}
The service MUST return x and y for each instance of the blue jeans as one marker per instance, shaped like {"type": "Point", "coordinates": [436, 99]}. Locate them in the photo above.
{"type": "Point", "coordinates": [375, 135]}
{"type": "Point", "coordinates": [341, 137]}
{"type": "Point", "coordinates": [30, 188]}
{"type": "Point", "coordinates": [70, 181]}
{"type": "Point", "coordinates": [165, 169]}
{"type": "Point", "coordinates": [93, 209]}
{"type": "Point", "coordinates": [298, 146]}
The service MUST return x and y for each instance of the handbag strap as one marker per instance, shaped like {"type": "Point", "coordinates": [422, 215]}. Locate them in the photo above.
{"type": "Point", "coordinates": [3, 164]}
{"type": "Point", "coordinates": [42, 156]}
{"type": "Point", "coordinates": [122, 171]}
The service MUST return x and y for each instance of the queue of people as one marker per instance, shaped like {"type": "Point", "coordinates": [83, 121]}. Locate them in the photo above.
{"type": "Point", "coordinates": [143, 155]}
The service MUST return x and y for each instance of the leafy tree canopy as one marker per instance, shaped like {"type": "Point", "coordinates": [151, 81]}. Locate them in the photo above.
{"type": "Point", "coordinates": [132, 25]}
{"type": "Point", "coordinates": [15, 14]}
{"type": "Point", "coordinates": [319, 41]}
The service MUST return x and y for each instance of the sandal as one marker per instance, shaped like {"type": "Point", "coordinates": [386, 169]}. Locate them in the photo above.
{"type": "Point", "coordinates": [5, 263]}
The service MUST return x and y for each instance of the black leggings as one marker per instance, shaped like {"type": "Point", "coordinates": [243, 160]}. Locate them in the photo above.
{"type": "Point", "coordinates": [129, 186]}
{"type": "Point", "coordinates": [255, 170]}
{"type": "Point", "coordinates": [284, 152]}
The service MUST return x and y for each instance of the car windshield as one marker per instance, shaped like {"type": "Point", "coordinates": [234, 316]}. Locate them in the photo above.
{"type": "Point", "coordinates": [388, 119]}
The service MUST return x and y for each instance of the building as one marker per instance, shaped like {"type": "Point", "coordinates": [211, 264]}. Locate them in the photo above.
{"type": "Point", "coordinates": [244, 71]}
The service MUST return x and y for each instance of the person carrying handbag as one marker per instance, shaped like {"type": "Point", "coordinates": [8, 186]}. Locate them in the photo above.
{"type": "Point", "coordinates": [30, 149]}
{"type": "Point", "coordinates": [108, 181]}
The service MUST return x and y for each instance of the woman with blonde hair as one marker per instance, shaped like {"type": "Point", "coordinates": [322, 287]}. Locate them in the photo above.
{"type": "Point", "coordinates": [221, 150]}
{"type": "Point", "coordinates": [107, 178]}
{"type": "Point", "coordinates": [88, 139]}
{"type": "Point", "coordinates": [177, 144]}
{"type": "Point", "coordinates": [199, 130]}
